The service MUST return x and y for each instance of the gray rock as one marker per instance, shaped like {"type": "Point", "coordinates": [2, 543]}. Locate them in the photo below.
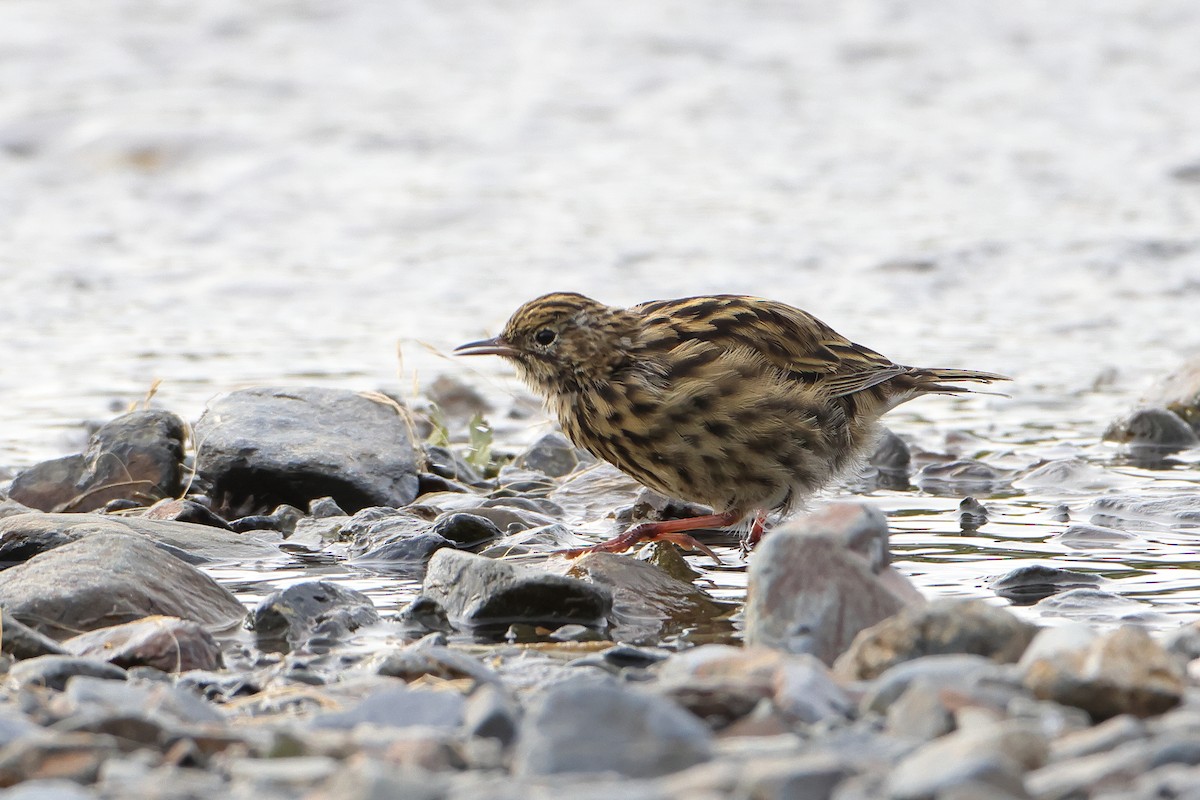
{"type": "Point", "coordinates": [1098, 738]}
{"type": "Point", "coordinates": [466, 530]}
{"type": "Point", "coordinates": [290, 615]}
{"type": "Point", "coordinates": [1120, 672]}
{"type": "Point", "coordinates": [165, 643]}
{"type": "Point", "coordinates": [53, 672]}
{"type": "Point", "coordinates": [648, 604]}
{"type": "Point", "coordinates": [588, 726]}
{"type": "Point", "coordinates": [138, 455]}
{"type": "Point", "coordinates": [1079, 777]}
{"type": "Point", "coordinates": [416, 660]}
{"type": "Point", "coordinates": [920, 712]}
{"type": "Point", "coordinates": [990, 757]}
{"type": "Point", "coordinates": [492, 713]}
{"type": "Point", "coordinates": [961, 672]}
{"type": "Point", "coordinates": [551, 455]}
{"type": "Point", "coordinates": [943, 627]}
{"type": "Point", "coordinates": [1153, 431]}
{"type": "Point", "coordinates": [1033, 582]}
{"type": "Point", "coordinates": [25, 535]}
{"type": "Point", "coordinates": [963, 477]}
{"type": "Point", "coordinates": [714, 680]}
{"type": "Point", "coordinates": [185, 511]}
{"type": "Point", "coordinates": [294, 445]}
{"type": "Point", "coordinates": [398, 707]}
{"type": "Point", "coordinates": [809, 593]}
{"type": "Point", "coordinates": [21, 641]}
{"type": "Point", "coordinates": [173, 705]}
{"type": "Point", "coordinates": [406, 556]}
{"type": "Point", "coordinates": [477, 591]}
{"type": "Point", "coordinates": [15, 725]}
{"type": "Point", "coordinates": [106, 579]}
{"type": "Point", "coordinates": [891, 454]}
{"type": "Point", "coordinates": [1164, 509]}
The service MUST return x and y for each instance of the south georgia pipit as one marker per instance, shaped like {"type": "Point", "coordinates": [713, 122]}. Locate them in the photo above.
{"type": "Point", "coordinates": [745, 405]}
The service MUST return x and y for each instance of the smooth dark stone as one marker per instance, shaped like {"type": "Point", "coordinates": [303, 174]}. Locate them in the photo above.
{"type": "Point", "coordinates": [137, 456]}
{"type": "Point", "coordinates": [165, 643]}
{"type": "Point", "coordinates": [1029, 584]}
{"type": "Point", "coordinates": [583, 725]}
{"type": "Point", "coordinates": [478, 591]}
{"type": "Point", "coordinates": [106, 579]}
{"type": "Point", "coordinates": [648, 604]}
{"type": "Point", "coordinates": [466, 530]}
{"type": "Point", "coordinates": [374, 528]}
{"type": "Point", "coordinates": [408, 555]}
{"type": "Point", "coordinates": [943, 627]}
{"type": "Point", "coordinates": [185, 511]}
{"type": "Point", "coordinates": [425, 613]}
{"type": "Point", "coordinates": [293, 613]}
{"type": "Point", "coordinates": [53, 672]}
{"type": "Point", "coordinates": [551, 455]}
{"type": "Point", "coordinates": [449, 465]}
{"type": "Point", "coordinates": [891, 454]}
{"type": "Point", "coordinates": [971, 514]}
{"type": "Point", "coordinates": [293, 445]}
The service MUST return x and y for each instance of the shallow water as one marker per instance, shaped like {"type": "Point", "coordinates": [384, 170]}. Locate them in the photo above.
{"type": "Point", "coordinates": [218, 195]}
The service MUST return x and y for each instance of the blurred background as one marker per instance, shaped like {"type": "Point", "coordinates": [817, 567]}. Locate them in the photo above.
{"type": "Point", "coordinates": [216, 194]}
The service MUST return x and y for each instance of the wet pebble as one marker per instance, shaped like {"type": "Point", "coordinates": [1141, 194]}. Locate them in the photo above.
{"type": "Point", "coordinates": [648, 604]}
{"type": "Point", "coordinates": [476, 591]}
{"type": "Point", "coordinates": [1034, 582]}
{"type": "Point", "coordinates": [966, 476]}
{"type": "Point", "coordinates": [1153, 431]}
{"type": "Point", "coordinates": [466, 530]}
{"type": "Point", "coordinates": [551, 455]}
{"type": "Point", "coordinates": [290, 615]}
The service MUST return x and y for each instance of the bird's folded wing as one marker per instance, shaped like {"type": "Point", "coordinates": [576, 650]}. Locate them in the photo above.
{"type": "Point", "coordinates": [786, 337]}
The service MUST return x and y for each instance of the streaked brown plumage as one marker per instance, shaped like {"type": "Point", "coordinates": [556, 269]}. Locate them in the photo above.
{"type": "Point", "coordinates": [742, 404]}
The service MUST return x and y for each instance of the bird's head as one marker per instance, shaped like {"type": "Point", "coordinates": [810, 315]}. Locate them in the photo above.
{"type": "Point", "coordinates": [562, 341]}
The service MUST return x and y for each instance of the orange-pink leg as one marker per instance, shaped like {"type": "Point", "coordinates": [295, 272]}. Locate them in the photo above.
{"type": "Point", "coordinates": [671, 530]}
{"type": "Point", "coordinates": [758, 527]}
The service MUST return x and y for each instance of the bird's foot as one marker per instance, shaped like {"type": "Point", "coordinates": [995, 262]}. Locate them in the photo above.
{"type": "Point", "coordinates": [672, 530]}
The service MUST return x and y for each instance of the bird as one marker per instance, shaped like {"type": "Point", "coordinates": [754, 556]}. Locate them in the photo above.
{"type": "Point", "coordinates": [745, 405]}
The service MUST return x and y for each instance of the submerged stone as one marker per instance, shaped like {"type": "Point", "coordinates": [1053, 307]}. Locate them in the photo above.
{"type": "Point", "coordinates": [1034, 582]}
{"type": "Point", "coordinates": [293, 613]}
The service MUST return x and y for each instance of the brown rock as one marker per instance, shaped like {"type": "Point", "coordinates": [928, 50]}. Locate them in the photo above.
{"type": "Point", "coordinates": [942, 627]}
{"type": "Point", "coordinates": [1121, 672]}
{"type": "Point", "coordinates": [166, 643]}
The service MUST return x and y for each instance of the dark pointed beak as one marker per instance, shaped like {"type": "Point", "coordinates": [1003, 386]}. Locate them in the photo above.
{"type": "Point", "coordinates": [486, 347]}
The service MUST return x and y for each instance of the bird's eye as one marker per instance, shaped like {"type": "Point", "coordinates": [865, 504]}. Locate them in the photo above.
{"type": "Point", "coordinates": [545, 336]}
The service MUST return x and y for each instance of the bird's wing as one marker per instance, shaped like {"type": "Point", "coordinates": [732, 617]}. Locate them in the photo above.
{"type": "Point", "coordinates": [788, 338]}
